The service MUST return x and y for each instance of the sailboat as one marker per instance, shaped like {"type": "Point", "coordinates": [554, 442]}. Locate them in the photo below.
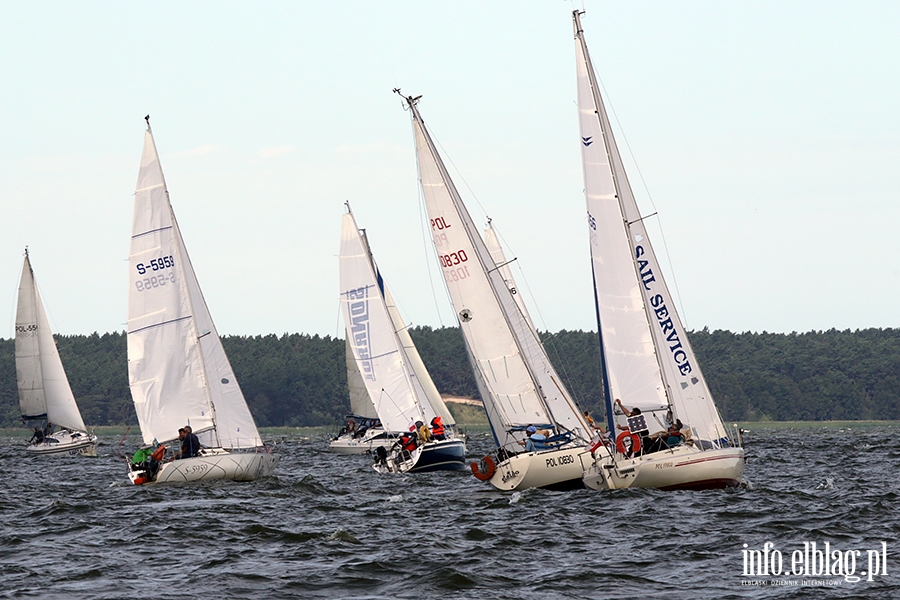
{"type": "Point", "coordinates": [391, 370]}
{"type": "Point", "coordinates": [520, 389]}
{"type": "Point", "coordinates": [646, 357]}
{"type": "Point", "coordinates": [44, 391]}
{"type": "Point", "coordinates": [177, 368]}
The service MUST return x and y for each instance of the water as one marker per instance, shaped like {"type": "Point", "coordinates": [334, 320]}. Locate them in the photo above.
{"type": "Point", "coordinates": [328, 526]}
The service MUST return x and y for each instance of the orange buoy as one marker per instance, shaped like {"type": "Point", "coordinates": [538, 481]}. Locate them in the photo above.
{"type": "Point", "coordinates": [488, 466]}
{"type": "Point", "coordinates": [635, 443]}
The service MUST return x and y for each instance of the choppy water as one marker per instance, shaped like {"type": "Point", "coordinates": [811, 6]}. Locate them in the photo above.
{"type": "Point", "coordinates": [328, 526]}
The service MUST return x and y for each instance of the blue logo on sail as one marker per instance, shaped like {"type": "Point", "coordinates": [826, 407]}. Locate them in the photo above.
{"type": "Point", "coordinates": [587, 141]}
{"type": "Point", "coordinates": [359, 330]}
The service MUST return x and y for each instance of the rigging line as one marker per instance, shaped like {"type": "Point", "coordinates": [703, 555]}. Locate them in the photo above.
{"type": "Point", "coordinates": [662, 234]}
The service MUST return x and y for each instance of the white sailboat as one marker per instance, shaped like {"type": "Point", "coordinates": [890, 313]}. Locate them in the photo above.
{"type": "Point", "coordinates": [177, 368]}
{"type": "Point", "coordinates": [390, 368]}
{"type": "Point", "coordinates": [518, 385]}
{"type": "Point", "coordinates": [646, 357]}
{"type": "Point", "coordinates": [44, 391]}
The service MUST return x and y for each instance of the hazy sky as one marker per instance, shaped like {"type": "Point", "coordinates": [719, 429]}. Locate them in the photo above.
{"type": "Point", "coordinates": [766, 133]}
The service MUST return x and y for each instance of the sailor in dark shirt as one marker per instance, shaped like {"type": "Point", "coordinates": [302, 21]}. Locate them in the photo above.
{"type": "Point", "coordinates": [190, 446]}
{"type": "Point", "coordinates": [37, 437]}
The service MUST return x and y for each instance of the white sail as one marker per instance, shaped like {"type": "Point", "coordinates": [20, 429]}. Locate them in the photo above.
{"type": "Point", "coordinates": [43, 386]}
{"type": "Point", "coordinates": [373, 339]}
{"type": "Point", "coordinates": [648, 361]}
{"type": "Point", "coordinates": [518, 385]}
{"type": "Point", "coordinates": [178, 371]}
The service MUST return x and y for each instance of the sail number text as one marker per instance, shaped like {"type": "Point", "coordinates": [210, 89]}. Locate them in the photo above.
{"type": "Point", "coordinates": [454, 258]}
{"type": "Point", "coordinates": [439, 223]}
{"type": "Point", "coordinates": [449, 262]}
{"type": "Point", "coordinates": [154, 281]}
{"type": "Point", "coordinates": [559, 461]}
{"type": "Point", "coordinates": [27, 330]}
{"type": "Point", "coordinates": [157, 264]}
{"type": "Point", "coordinates": [195, 469]}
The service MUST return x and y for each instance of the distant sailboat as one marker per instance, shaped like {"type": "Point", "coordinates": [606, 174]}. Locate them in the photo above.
{"type": "Point", "coordinates": [44, 391]}
{"type": "Point", "coordinates": [520, 389]}
{"type": "Point", "coordinates": [647, 360]}
{"type": "Point", "coordinates": [390, 368]}
{"type": "Point", "coordinates": [178, 371]}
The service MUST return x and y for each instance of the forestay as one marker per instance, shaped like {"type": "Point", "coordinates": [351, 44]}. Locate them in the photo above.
{"type": "Point", "coordinates": [178, 371]}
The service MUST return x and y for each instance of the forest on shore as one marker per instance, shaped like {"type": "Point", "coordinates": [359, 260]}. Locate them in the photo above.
{"type": "Point", "coordinates": [300, 380]}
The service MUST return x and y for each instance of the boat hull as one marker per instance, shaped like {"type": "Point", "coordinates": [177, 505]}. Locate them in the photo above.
{"type": "Point", "coordinates": [679, 468]}
{"type": "Point", "coordinates": [347, 444]}
{"type": "Point", "coordinates": [439, 455]}
{"type": "Point", "coordinates": [443, 455]}
{"type": "Point", "coordinates": [559, 469]}
{"type": "Point", "coordinates": [212, 463]}
{"type": "Point", "coordinates": [66, 443]}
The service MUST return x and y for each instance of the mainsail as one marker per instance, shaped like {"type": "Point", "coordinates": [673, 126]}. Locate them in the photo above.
{"type": "Point", "coordinates": [518, 385]}
{"type": "Point", "coordinates": [178, 371]}
{"type": "Point", "coordinates": [44, 390]}
{"type": "Point", "coordinates": [648, 362]}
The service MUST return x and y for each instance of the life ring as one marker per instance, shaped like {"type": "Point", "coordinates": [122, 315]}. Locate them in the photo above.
{"type": "Point", "coordinates": [635, 443]}
{"type": "Point", "coordinates": [489, 468]}
{"type": "Point", "coordinates": [158, 453]}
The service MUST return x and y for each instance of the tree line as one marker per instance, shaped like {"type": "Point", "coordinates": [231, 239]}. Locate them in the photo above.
{"type": "Point", "coordinates": [300, 380]}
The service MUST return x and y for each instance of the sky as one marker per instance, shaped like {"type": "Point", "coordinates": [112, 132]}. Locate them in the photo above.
{"type": "Point", "coordinates": [765, 134]}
